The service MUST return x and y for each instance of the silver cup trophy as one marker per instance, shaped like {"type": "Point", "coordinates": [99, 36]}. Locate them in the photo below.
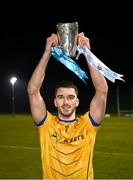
{"type": "Point", "coordinates": [67, 35]}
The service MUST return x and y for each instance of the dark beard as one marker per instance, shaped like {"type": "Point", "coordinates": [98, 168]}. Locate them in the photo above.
{"type": "Point", "coordinates": [66, 115]}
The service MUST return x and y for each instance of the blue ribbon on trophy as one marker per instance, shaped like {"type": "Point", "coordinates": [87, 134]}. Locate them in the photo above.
{"type": "Point", "coordinates": [59, 54]}
{"type": "Point", "coordinates": [67, 33]}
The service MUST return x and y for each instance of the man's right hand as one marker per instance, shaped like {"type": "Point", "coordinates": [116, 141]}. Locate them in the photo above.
{"type": "Point", "coordinates": [52, 40]}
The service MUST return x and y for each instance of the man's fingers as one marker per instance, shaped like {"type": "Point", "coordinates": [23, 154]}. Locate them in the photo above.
{"type": "Point", "coordinates": [81, 34]}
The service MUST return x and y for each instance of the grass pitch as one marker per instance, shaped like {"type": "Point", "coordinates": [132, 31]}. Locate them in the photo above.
{"type": "Point", "coordinates": [20, 152]}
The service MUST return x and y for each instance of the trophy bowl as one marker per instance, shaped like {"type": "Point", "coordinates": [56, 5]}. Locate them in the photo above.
{"type": "Point", "coordinates": [67, 35]}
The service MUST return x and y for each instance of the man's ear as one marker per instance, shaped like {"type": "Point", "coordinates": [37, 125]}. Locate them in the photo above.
{"type": "Point", "coordinates": [77, 103]}
{"type": "Point", "coordinates": [55, 102]}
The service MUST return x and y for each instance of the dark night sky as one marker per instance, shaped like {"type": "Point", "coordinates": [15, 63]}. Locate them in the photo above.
{"type": "Point", "coordinates": [24, 28]}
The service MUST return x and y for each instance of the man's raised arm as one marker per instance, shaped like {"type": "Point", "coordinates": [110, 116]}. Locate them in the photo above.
{"type": "Point", "coordinates": [98, 102]}
{"type": "Point", "coordinates": [37, 104]}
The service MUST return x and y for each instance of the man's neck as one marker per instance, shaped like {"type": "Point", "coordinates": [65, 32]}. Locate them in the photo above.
{"type": "Point", "coordinates": [67, 118]}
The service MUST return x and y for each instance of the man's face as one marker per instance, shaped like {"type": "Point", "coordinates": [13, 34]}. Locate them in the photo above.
{"type": "Point", "coordinates": [66, 101]}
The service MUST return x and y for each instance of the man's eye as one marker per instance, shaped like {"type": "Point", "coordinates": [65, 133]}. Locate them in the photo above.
{"type": "Point", "coordinates": [59, 97]}
{"type": "Point", "coordinates": [71, 97]}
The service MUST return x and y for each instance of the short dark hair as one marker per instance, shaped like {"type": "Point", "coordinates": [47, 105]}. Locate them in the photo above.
{"type": "Point", "coordinates": [66, 84]}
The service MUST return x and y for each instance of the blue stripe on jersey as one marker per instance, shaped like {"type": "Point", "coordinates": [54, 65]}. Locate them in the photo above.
{"type": "Point", "coordinates": [94, 123]}
{"type": "Point", "coordinates": [41, 122]}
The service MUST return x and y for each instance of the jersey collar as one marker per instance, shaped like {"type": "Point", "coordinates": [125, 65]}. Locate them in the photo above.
{"type": "Point", "coordinates": [67, 121]}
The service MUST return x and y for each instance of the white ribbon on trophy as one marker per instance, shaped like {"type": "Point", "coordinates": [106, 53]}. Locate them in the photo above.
{"type": "Point", "coordinates": [99, 65]}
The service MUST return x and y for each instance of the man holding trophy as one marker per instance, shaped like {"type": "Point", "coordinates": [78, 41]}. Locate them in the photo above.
{"type": "Point", "coordinates": [66, 140]}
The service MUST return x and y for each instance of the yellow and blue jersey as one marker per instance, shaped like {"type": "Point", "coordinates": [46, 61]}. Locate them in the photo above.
{"type": "Point", "coordinates": [67, 147]}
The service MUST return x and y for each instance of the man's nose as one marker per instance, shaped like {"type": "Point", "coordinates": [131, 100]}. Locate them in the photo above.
{"type": "Point", "coordinates": [66, 100]}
